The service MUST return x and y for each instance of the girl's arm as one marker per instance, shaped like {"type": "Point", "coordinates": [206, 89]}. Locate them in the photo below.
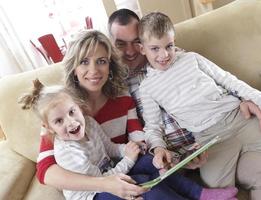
{"type": "Point", "coordinates": [112, 149]}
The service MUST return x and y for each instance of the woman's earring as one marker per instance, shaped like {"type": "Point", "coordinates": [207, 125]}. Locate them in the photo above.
{"type": "Point", "coordinates": [75, 79]}
{"type": "Point", "coordinates": [110, 75]}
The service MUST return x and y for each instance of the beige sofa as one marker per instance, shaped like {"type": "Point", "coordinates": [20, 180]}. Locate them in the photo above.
{"type": "Point", "coordinates": [230, 36]}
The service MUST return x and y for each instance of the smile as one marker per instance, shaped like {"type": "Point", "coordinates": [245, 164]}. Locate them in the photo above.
{"type": "Point", "coordinates": [75, 131]}
{"type": "Point", "coordinates": [130, 58]}
{"type": "Point", "coordinates": [163, 62]}
{"type": "Point", "coordinates": [94, 80]}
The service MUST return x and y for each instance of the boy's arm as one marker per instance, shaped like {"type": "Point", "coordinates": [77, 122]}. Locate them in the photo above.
{"type": "Point", "coordinates": [229, 81]}
{"type": "Point", "coordinates": [154, 130]}
{"type": "Point", "coordinates": [248, 108]}
{"type": "Point", "coordinates": [153, 121]}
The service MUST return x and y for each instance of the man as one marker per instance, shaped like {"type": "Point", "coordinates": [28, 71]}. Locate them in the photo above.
{"type": "Point", "coordinates": [123, 29]}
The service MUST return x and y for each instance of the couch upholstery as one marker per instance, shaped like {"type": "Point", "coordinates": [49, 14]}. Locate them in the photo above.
{"type": "Point", "coordinates": [229, 36]}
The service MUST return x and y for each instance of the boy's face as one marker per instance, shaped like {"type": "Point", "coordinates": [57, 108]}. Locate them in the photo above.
{"type": "Point", "coordinates": [65, 118]}
{"type": "Point", "coordinates": [159, 52]}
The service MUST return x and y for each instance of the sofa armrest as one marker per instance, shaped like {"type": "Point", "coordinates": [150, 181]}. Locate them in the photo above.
{"type": "Point", "coordinates": [16, 173]}
{"type": "Point", "coordinates": [2, 135]}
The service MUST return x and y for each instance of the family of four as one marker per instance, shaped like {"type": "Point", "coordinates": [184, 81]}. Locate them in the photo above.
{"type": "Point", "coordinates": [97, 135]}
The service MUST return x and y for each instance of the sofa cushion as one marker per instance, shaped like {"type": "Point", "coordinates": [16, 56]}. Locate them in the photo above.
{"type": "Point", "coordinates": [16, 173]}
{"type": "Point", "coordinates": [229, 36]}
{"type": "Point", "coordinates": [22, 127]}
{"type": "Point", "coordinates": [42, 192]}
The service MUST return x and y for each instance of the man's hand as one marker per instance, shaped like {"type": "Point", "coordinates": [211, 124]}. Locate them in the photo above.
{"type": "Point", "coordinates": [162, 158]}
{"type": "Point", "coordinates": [248, 108]}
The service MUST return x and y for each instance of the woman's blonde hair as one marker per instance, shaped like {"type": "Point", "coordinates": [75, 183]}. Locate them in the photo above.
{"type": "Point", "coordinates": [83, 43]}
{"type": "Point", "coordinates": [40, 98]}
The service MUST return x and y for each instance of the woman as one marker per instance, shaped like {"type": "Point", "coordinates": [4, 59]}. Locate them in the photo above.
{"type": "Point", "coordinates": [98, 79]}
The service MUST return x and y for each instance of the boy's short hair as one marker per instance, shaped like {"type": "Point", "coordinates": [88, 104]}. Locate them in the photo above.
{"type": "Point", "coordinates": [154, 24]}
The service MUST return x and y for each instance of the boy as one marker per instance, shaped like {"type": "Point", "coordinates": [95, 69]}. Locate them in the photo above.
{"type": "Point", "coordinates": [197, 93]}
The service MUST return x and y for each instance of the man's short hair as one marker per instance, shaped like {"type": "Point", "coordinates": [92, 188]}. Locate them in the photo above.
{"type": "Point", "coordinates": [122, 16]}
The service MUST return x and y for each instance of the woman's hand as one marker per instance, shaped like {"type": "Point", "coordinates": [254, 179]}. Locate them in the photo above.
{"type": "Point", "coordinates": [123, 186]}
{"type": "Point", "coordinates": [132, 150]}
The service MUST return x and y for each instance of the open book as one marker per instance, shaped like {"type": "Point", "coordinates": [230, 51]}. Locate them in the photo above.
{"type": "Point", "coordinates": [157, 180]}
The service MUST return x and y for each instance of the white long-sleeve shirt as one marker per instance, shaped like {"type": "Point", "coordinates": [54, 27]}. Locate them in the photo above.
{"type": "Point", "coordinates": [194, 91]}
{"type": "Point", "coordinates": [90, 157]}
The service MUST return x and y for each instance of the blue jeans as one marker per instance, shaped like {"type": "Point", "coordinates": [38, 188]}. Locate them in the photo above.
{"type": "Point", "coordinates": [175, 187]}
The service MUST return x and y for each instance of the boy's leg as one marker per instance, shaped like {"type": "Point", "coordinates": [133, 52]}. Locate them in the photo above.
{"type": "Point", "coordinates": [249, 173]}
{"type": "Point", "coordinates": [224, 157]}
{"type": "Point", "coordinates": [220, 169]}
{"type": "Point", "coordinates": [249, 164]}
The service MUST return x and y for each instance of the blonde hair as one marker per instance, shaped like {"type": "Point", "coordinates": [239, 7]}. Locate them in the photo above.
{"type": "Point", "coordinates": [154, 24]}
{"type": "Point", "coordinates": [83, 43]}
{"type": "Point", "coordinates": [41, 97]}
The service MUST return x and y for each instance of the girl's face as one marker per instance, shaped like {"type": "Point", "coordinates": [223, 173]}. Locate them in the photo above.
{"type": "Point", "coordinates": [159, 52]}
{"type": "Point", "coordinates": [93, 70]}
{"type": "Point", "coordinates": [65, 118]}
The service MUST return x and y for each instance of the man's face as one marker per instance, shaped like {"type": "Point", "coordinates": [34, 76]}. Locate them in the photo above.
{"type": "Point", "coordinates": [125, 38]}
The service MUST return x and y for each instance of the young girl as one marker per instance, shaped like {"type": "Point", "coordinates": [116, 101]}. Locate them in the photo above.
{"type": "Point", "coordinates": [198, 94]}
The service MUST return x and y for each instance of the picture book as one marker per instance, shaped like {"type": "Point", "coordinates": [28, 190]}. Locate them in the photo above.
{"type": "Point", "coordinates": [179, 165]}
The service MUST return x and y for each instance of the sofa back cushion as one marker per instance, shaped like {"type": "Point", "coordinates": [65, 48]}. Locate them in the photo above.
{"type": "Point", "coordinates": [229, 36]}
{"type": "Point", "coordinates": [22, 127]}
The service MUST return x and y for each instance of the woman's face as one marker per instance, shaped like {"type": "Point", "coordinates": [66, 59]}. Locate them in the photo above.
{"type": "Point", "coordinates": [93, 70]}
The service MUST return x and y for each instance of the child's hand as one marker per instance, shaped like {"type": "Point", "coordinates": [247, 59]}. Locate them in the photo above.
{"type": "Point", "coordinates": [162, 158]}
{"type": "Point", "coordinates": [132, 150]}
{"type": "Point", "coordinates": [143, 147]}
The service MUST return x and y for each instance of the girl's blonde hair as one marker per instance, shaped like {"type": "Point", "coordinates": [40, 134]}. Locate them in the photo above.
{"type": "Point", "coordinates": [41, 97]}
{"type": "Point", "coordinates": [83, 43]}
